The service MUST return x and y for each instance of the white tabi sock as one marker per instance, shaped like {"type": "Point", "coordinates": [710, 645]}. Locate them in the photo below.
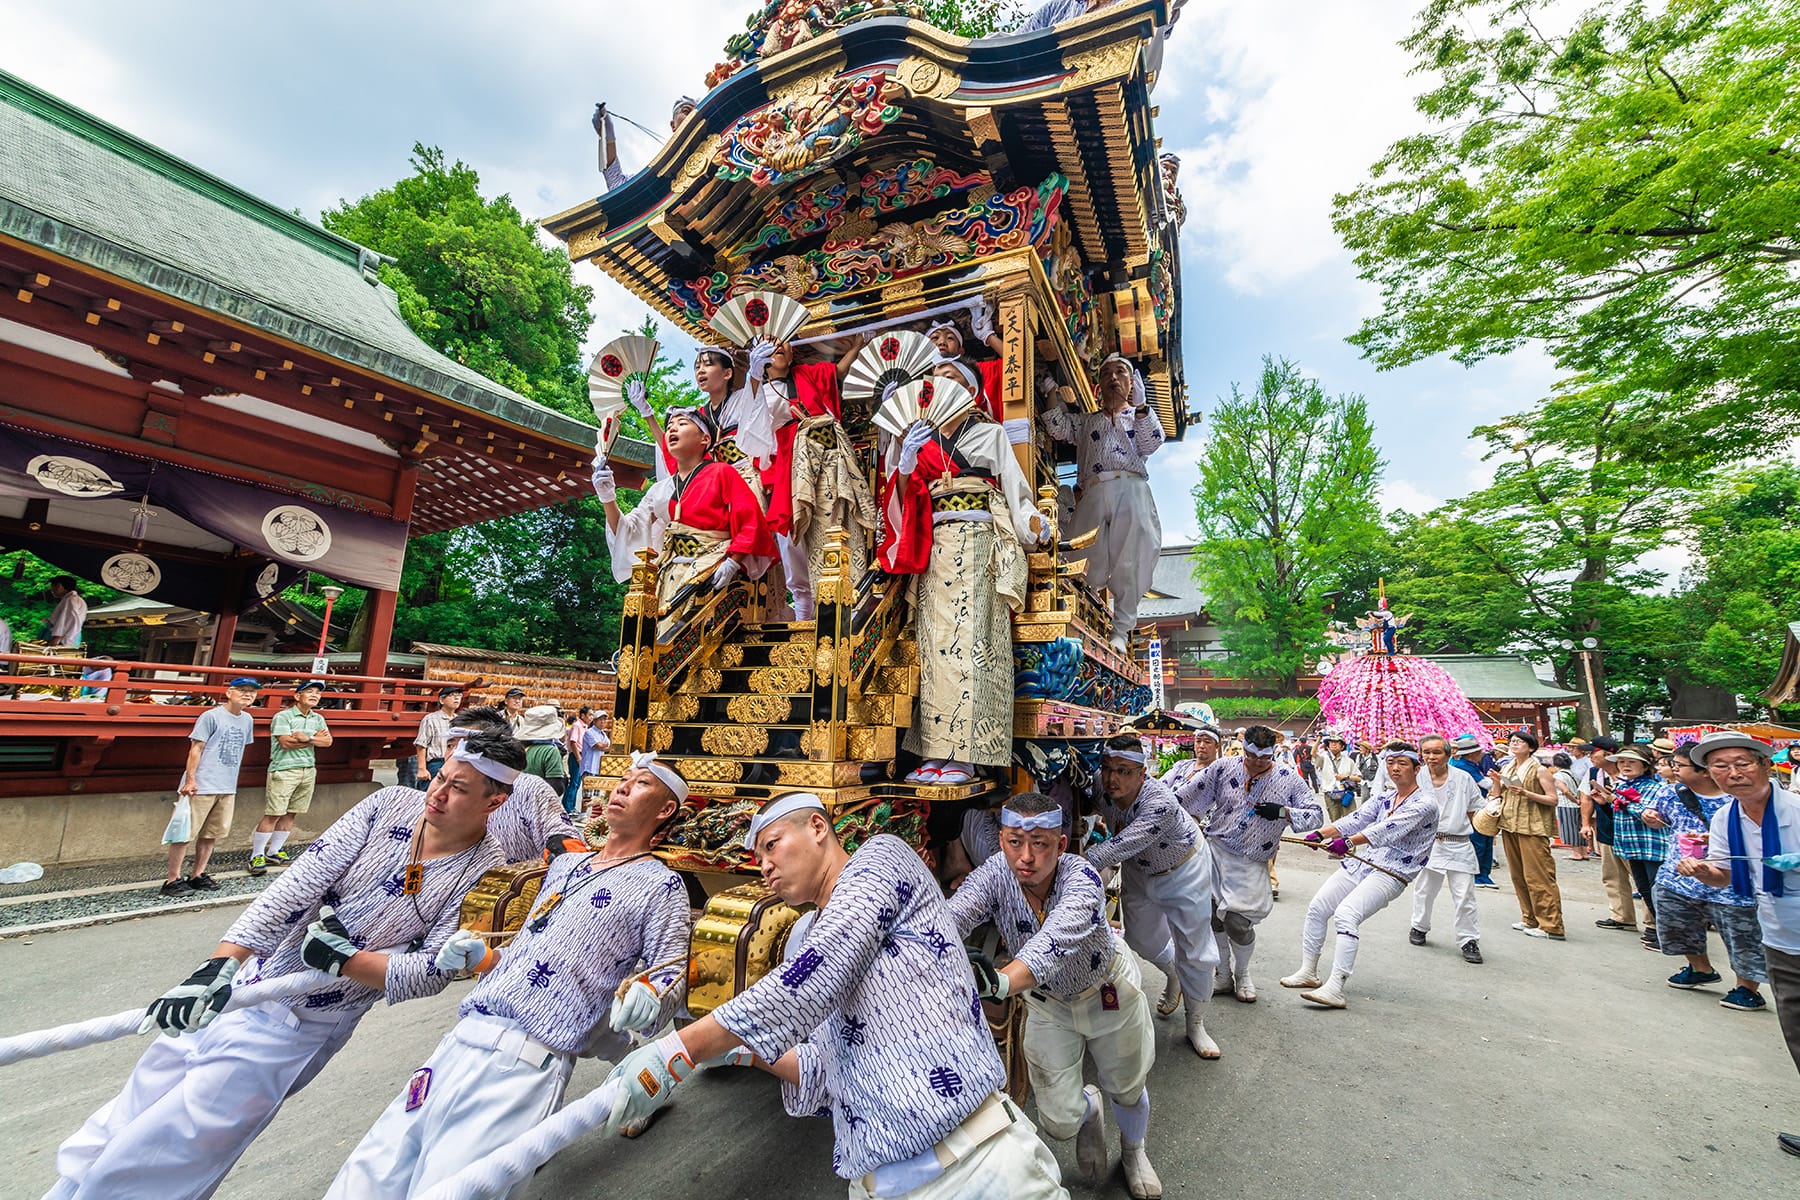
{"type": "Point", "coordinates": [1133, 1119]}
{"type": "Point", "coordinates": [1240, 958]}
{"type": "Point", "coordinates": [278, 839]}
{"type": "Point", "coordinates": [259, 844]}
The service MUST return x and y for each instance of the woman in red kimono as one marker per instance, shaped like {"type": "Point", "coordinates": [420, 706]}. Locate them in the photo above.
{"type": "Point", "coordinates": [703, 518]}
{"type": "Point", "coordinates": [963, 516]}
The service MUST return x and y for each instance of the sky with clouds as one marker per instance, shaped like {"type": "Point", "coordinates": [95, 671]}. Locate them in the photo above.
{"type": "Point", "coordinates": [1273, 105]}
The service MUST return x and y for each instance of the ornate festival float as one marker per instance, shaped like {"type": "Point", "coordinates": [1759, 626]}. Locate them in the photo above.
{"type": "Point", "coordinates": [854, 178]}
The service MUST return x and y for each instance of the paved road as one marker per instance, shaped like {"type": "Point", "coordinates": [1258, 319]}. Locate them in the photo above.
{"type": "Point", "coordinates": [1565, 1070]}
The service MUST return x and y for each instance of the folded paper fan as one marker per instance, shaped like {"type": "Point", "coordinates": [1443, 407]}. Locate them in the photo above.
{"type": "Point", "coordinates": [759, 314]}
{"type": "Point", "coordinates": [934, 399]}
{"type": "Point", "coordinates": [617, 362]}
{"type": "Point", "coordinates": [898, 356]}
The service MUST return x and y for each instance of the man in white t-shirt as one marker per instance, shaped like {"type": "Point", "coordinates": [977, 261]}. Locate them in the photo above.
{"type": "Point", "coordinates": [1753, 847]}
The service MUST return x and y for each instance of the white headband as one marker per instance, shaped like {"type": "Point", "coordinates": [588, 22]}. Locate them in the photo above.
{"type": "Point", "coordinates": [941, 359]}
{"type": "Point", "coordinates": [1258, 751]}
{"type": "Point", "coordinates": [781, 806]}
{"type": "Point", "coordinates": [1043, 820]}
{"type": "Point", "coordinates": [1136, 756]}
{"type": "Point", "coordinates": [950, 325]}
{"type": "Point", "coordinates": [1209, 731]}
{"type": "Point", "coordinates": [459, 731]}
{"type": "Point", "coordinates": [497, 771]}
{"type": "Point", "coordinates": [1400, 754]}
{"type": "Point", "coordinates": [646, 759]}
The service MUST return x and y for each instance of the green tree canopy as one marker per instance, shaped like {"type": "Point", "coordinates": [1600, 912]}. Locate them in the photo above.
{"type": "Point", "coordinates": [1620, 186]}
{"type": "Point", "coordinates": [473, 280]}
{"type": "Point", "coordinates": [1285, 504]}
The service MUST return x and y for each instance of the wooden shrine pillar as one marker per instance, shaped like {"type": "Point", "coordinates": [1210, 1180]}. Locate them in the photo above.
{"type": "Point", "coordinates": [379, 631]}
{"type": "Point", "coordinates": [225, 619]}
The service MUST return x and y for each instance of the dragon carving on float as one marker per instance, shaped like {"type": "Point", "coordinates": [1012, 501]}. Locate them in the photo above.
{"type": "Point", "coordinates": [792, 139]}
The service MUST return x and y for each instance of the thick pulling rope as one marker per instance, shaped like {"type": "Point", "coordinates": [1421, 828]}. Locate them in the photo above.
{"type": "Point", "coordinates": [507, 1168]}
{"type": "Point", "coordinates": [1356, 857]}
{"type": "Point", "coordinates": [77, 1034]}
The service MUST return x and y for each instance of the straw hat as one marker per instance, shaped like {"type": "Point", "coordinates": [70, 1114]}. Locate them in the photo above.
{"type": "Point", "coordinates": [1486, 821]}
{"type": "Point", "coordinates": [540, 722]}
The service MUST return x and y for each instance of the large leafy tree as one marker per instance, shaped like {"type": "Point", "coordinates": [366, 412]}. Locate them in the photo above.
{"type": "Point", "coordinates": [473, 280]}
{"type": "Point", "coordinates": [1285, 505]}
{"type": "Point", "coordinates": [1619, 186]}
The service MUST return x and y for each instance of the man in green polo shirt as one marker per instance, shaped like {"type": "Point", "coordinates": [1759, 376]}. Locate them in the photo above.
{"type": "Point", "coordinates": [294, 733]}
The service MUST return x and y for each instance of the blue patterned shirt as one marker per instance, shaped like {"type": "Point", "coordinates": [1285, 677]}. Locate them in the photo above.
{"type": "Point", "coordinates": [1681, 821]}
{"type": "Point", "coordinates": [1225, 791]}
{"type": "Point", "coordinates": [1631, 837]}
{"type": "Point", "coordinates": [558, 985]}
{"type": "Point", "coordinates": [1153, 834]}
{"type": "Point", "coordinates": [900, 1053]}
{"type": "Point", "coordinates": [522, 825]}
{"type": "Point", "coordinates": [1401, 833]}
{"type": "Point", "coordinates": [1071, 949]}
{"type": "Point", "coordinates": [359, 865]}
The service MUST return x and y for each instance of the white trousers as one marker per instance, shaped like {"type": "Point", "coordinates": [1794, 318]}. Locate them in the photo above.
{"type": "Point", "coordinates": [194, 1104]}
{"type": "Point", "coordinates": [1058, 1033]}
{"type": "Point", "coordinates": [799, 575]}
{"type": "Point", "coordinates": [1462, 894]}
{"type": "Point", "coordinates": [1242, 884]}
{"type": "Point", "coordinates": [1177, 907]}
{"type": "Point", "coordinates": [1351, 900]}
{"type": "Point", "coordinates": [1014, 1164]}
{"type": "Point", "coordinates": [487, 1089]}
{"type": "Point", "coordinates": [1124, 556]}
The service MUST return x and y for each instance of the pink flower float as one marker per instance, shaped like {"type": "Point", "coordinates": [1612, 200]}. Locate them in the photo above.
{"type": "Point", "coordinates": [1379, 698]}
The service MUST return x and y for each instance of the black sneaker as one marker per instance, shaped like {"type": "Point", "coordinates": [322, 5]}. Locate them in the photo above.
{"type": "Point", "coordinates": [202, 882]}
{"type": "Point", "coordinates": [1650, 941]}
{"type": "Point", "coordinates": [1471, 952]}
{"type": "Point", "coordinates": [176, 887]}
{"type": "Point", "coordinates": [1416, 937]}
{"type": "Point", "coordinates": [1789, 1142]}
{"type": "Point", "coordinates": [1687, 978]}
{"type": "Point", "coordinates": [1609, 923]}
{"type": "Point", "coordinates": [1742, 999]}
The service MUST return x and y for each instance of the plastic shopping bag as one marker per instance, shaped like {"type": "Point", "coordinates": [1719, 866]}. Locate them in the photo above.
{"type": "Point", "coordinates": [181, 823]}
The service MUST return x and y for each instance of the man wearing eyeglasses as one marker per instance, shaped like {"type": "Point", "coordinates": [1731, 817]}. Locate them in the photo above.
{"type": "Point", "coordinates": [1753, 847]}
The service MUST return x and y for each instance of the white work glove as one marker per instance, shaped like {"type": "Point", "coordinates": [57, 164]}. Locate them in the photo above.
{"type": "Point", "coordinates": [195, 1001]}
{"type": "Point", "coordinates": [728, 572]}
{"type": "Point", "coordinates": [981, 321]}
{"type": "Point", "coordinates": [605, 486]}
{"type": "Point", "coordinates": [887, 392]}
{"type": "Point", "coordinates": [463, 952]}
{"type": "Point", "coordinates": [737, 1056]}
{"type": "Point", "coordinates": [916, 437]}
{"type": "Point", "coordinates": [328, 946]}
{"type": "Point", "coordinates": [647, 1079]}
{"type": "Point", "coordinates": [1048, 392]}
{"type": "Point", "coordinates": [761, 351]}
{"type": "Point", "coordinates": [637, 1011]}
{"type": "Point", "coordinates": [639, 395]}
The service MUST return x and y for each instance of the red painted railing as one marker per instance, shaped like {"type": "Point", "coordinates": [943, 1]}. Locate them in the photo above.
{"type": "Point", "coordinates": [42, 690]}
